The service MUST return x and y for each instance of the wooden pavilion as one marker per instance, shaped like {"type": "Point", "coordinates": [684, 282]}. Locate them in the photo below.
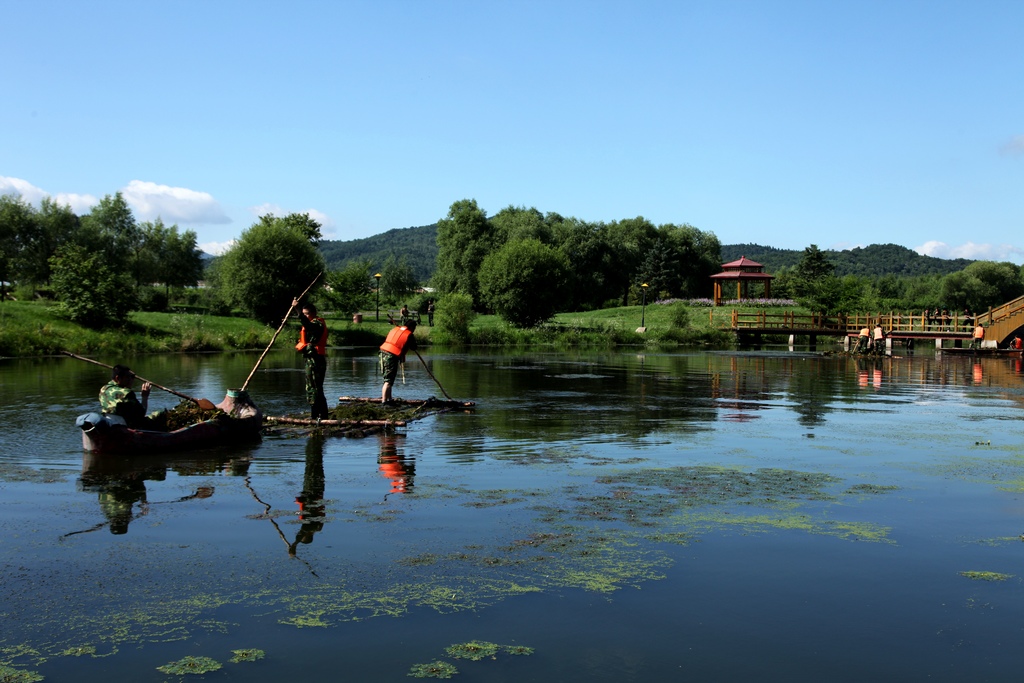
{"type": "Point", "coordinates": [742, 271]}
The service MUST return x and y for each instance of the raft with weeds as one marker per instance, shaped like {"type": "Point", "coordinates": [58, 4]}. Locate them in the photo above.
{"type": "Point", "coordinates": [358, 417]}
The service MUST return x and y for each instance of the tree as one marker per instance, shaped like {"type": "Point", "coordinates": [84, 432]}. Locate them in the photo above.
{"type": "Point", "coordinates": [982, 285]}
{"type": "Point", "coordinates": [349, 290]}
{"type": "Point", "coordinates": [89, 291]}
{"type": "Point", "coordinates": [629, 241]}
{"type": "Point", "coordinates": [17, 218]}
{"type": "Point", "coordinates": [56, 225]}
{"type": "Point", "coordinates": [832, 295]}
{"type": "Point", "coordinates": [583, 245]}
{"type": "Point", "coordinates": [272, 262]}
{"type": "Point", "coordinates": [464, 239]}
{"type": "Point", "coordinates": [397, 281]}
{"type": "Point", "coordinates": [522, 281]}
{"type": "Point", "coordinates": [814, 267]}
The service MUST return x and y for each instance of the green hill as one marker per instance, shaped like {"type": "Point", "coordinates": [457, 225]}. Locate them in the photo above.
{"type": "Point", "coordinates": [873, 260]}
{"type": "Point", "coordinates": [418, 245]}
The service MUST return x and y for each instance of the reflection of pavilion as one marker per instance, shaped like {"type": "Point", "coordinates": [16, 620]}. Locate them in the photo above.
{"type": "Point", "coordinates": [743, 272]}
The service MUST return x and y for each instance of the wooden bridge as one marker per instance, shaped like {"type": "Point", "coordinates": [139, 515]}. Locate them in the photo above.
{"type": "Point", "coordinates": [1001, 323]}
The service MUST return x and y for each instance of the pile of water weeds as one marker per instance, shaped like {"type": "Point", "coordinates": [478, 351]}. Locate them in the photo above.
{"type": "Point", "coordinates": [189, 413]}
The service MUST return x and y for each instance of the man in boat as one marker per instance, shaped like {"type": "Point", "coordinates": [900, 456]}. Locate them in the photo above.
{"type": "Point", "coordinates": [313, 347]}
{"type": "Point", "coordinates": [979, 336]}
{"type": "Point", "coordinates": [118, 398]}
{"type": "Point", "coordinates": [392, 352]}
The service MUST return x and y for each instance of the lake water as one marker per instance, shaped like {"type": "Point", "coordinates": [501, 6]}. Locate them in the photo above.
{"type": "Point", "coordinates": [626, 516]}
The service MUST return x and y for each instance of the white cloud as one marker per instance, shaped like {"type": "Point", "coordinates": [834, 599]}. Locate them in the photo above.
{"type": "Point", "coordinates": [1013, 147]}
{"type": "Point", "coordinates": [267, 209]}
{"type": "Point", "coordinates": [970, 250]}
{"type": "Point", "coordinates": [80, 203]}
{"type": "Point", "coordinates": [217, 248]}
{"type": "Point", "coordinates": [172, 204]}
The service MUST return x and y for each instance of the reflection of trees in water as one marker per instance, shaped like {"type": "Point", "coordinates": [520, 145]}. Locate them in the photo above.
{"type": "Point", "coordinates": [636, 395]}
{"type": "Point", "coordinates": [120, 483]}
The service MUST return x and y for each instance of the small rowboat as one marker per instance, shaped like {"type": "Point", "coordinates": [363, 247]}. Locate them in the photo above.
{"type": "Point", "coordinates": [241, 422]}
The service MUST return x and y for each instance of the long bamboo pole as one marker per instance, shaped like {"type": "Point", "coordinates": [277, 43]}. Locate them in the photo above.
{"type": "Point", "coordinates": [281, 327]}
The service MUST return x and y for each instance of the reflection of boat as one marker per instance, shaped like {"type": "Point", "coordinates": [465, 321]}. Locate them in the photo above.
{"type": "Point", "coordinates": [1009, 353]}
{"type": "Point", "coordinates": [241, 421]}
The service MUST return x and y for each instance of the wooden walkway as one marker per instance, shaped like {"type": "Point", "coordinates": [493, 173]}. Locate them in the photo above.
{"type": "Point", "coordinates": [1001, 323]}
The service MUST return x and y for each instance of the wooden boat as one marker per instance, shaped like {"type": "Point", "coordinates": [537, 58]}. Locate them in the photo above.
{"type": "Point", "coordinates": [241, 422]}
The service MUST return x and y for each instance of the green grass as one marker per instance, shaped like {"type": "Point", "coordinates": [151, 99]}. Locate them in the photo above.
{"type": "Point", "coordinates": [34, 329]}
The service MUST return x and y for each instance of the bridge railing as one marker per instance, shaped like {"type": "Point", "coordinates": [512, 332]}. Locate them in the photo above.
{"type": "Point", "coordinates": [852, 324]}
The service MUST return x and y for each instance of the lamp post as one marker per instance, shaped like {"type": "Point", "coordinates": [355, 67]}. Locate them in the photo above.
{"type": "Point", "coordinates": [643, 309]}
{"type": "Point", "coordinates": [378, 296]}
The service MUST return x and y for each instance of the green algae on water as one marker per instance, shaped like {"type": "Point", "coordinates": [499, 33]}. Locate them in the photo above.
{"type": "Point", "coordinates": [12, 675]}
{"type": "Point", "coordinates": [986, 576]}
{"type": "Point", "coordinates": [474, 650]}
{"type": "Point", "coordinates": [433, 670]}
{"type": "Point", "coordinates": [80, 651]}
{"type": "Point", "coordinates": [190, 665]}
{"type": "Point", "coordinates": [247, 655]}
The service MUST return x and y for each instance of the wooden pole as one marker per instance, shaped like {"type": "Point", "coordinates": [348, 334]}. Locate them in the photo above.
{"type": "Point", "coordinates": [274, 338]}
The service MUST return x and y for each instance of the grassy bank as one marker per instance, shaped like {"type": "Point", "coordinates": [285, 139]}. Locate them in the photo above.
{"type": "Point", "coordinates": [33, 329]}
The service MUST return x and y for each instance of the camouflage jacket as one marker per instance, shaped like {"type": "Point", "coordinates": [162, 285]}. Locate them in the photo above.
{"type": "Point", "coordinates": [118, 400]}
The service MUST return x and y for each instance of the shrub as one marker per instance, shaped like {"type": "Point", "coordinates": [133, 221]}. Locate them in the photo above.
{"type": "Point", "coordinates": [89, 292]}
{"type": "Point", "coordinates": [454, 313]}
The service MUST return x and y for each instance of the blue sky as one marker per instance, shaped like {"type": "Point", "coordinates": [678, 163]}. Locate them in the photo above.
{"type": "Point", "coordinates": [785, 123]}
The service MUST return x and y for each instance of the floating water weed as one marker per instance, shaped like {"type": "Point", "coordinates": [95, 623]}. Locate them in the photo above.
{"type": "Point", "coordinates": [250, 655]}
{"type": "Point", "coordinates": [80, 651]}
{"type": "Point", "coordinates": [986, 576]}
{"type": "Point", "coordinates": [474, 650]}
{"type": "Point", "coordinates": [433, 670]}
{"type": "Point", "coordinates": [11, 675]}
{"type": "Point", "coordinates": [517, 650]}
{"type": "Point", "coordinates": [190, 665]}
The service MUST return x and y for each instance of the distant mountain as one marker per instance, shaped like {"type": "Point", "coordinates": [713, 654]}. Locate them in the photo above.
{"type": "Point", "coordinates": [873, 260]}
{"type": "Point", "coordinates": [418, 245]}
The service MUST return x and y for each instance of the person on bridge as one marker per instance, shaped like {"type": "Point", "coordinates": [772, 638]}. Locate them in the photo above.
{"type": "Point", "coordinates": [979, 336]}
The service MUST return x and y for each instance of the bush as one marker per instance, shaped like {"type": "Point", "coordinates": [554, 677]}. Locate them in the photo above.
{"type": "Point", "coordinates": [680, 316]}
{"type": "Point", "coordinates": [153, 299]}
{"type": "Point", "coordinates": [452, 318]}
{"type": "Point", "coordinates": [89, 292]}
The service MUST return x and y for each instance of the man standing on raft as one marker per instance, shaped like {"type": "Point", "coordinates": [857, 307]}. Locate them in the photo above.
{"type": "Point", "coordinates": [313, 346]}
{"type": "Point", "coordinates": [392, 352]}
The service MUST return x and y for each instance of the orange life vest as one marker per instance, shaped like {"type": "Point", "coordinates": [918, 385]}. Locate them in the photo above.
{"type": "Point", "coordinates": [320, 345]}
{"type": "Point", "coordinates": [979, 332]}
{"type": "Point", "coordinates": [1018, 343]}
{"type": "Point", "coordinates": [396, 341]}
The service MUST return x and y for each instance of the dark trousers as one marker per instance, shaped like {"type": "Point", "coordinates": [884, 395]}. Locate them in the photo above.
{"type": "Point", "coordinates": [316, 371]}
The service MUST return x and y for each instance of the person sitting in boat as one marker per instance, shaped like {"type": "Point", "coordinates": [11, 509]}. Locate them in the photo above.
{"type": "Point", "coordinates": [392, 352]}
{"type": "Point", "coordinates": [1017, 343]}
{"type": "Point", "coordinates": [117, 398]}
{"type": "Point", "coordinates": [979, 336]}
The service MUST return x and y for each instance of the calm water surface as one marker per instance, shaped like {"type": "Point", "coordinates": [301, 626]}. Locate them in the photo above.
{"type": "Point", "coordinates": [628, 516]}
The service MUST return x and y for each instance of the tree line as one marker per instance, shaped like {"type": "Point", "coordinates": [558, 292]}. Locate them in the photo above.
{"type": "Point", "coordinates": [520, 263]}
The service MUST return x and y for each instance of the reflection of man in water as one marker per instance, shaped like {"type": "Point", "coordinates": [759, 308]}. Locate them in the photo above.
{"type": "Point", "coordinates": [394, 466]}
{"type": "Point", "coordinates": [118, 499]}
{"type": "Point", "coordinates": [311, 500]}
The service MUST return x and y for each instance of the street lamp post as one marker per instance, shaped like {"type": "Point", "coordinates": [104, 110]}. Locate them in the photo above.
{"type": "Point", "coordinates": [378, 296]}
{"type": "Point", "coordinates": [643, 309]}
